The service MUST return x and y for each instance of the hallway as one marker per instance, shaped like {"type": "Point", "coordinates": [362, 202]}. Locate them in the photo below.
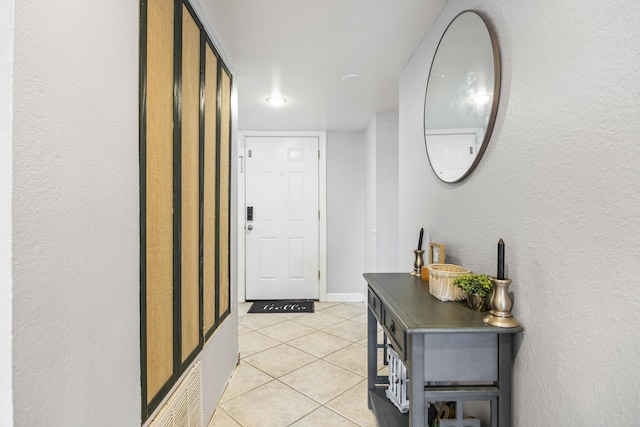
{"type": "Point", "coordinates": [299, 370]}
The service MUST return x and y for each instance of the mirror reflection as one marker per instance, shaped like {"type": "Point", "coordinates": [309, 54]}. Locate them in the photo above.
{"type": "Point", "coordinates": [462, 97]}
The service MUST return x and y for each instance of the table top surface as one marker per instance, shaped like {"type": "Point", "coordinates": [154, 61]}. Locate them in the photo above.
{"type": "Point", "coordinates": [409, 300]}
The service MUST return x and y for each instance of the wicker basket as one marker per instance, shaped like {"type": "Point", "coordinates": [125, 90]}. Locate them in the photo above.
{"type": "Point", "coordinates": [441, 281]}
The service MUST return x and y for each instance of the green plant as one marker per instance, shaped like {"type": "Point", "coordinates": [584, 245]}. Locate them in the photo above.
{"type": "Point", "coordinates": [474, 284]}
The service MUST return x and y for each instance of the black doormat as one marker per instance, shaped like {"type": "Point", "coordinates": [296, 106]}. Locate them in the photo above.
{"type": "Point", "coordinates": [282, 306]}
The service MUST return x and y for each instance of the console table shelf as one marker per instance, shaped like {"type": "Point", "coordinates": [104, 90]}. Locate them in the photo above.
{"type": "Point", "coordinates": [385, 412]}
{"type": "Point", "coordinates": [449, 352]}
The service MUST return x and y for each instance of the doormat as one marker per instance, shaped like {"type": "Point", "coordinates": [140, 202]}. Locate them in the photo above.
{"type": "Point", "coordinates": [282, 306]}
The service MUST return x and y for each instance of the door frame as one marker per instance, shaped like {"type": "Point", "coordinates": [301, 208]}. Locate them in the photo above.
{"type": "Point", "coordinates": [322, 205]}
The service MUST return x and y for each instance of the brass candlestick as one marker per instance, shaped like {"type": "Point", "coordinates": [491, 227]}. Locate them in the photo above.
{"type": "Point", "coordinates": [418, 262]}
{"type": "Point", "coordinates": [501, 305]}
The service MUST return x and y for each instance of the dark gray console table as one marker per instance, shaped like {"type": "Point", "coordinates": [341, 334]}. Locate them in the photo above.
{"type": "Point", "coordinates": [449, 352]}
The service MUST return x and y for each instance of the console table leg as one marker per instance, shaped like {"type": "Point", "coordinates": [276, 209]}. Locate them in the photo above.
{"type": "Point", "coordinates": [417, 404]}
{"type": "Point", "coordinates": [494, 412]}
{"type": "Point", "coordinates": [372, 353]}
{"type": "Point", "coordinates": [504, 378]}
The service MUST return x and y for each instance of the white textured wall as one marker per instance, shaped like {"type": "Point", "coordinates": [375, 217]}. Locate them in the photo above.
{"type": "Point", "coordinates": [559, 182]}
{"type": "Point", "coordinates": [6, 109]}
{"type": "Point", "coordinates": [219, 358]}
{"type": "Point", "coordinates": [370, 251]}
{"type": "Point", "coordinates": [76, 345]}
{"type": "Point", "coordinates": [381, 202]}
{"type": "Point", "coordinates": [387, 193]}
{"type": "Point", "coordinates": [345, 212]}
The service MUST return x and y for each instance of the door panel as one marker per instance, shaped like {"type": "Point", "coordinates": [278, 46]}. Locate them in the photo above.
{"type": "Point", "coordinates": [282, 239]}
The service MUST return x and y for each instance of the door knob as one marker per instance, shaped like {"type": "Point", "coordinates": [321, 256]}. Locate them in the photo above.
{"type": "Point", "coordinates": [250, 227]}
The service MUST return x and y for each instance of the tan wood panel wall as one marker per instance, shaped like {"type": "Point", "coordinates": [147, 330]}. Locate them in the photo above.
{"type": "Point", "coordinates": [209, 196]}
{"type": "Point", "coordinates": [189, 175]}
{"type": "Point", "coordinates": [225, 187]}
{"type": "Point", "coordinates": [159, 197]}
{"type": "Point", "coordinates": [194, 197]}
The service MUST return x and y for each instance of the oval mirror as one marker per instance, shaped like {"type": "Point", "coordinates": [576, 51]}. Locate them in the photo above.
{"type": "Point", "coordinates": [462, 95]}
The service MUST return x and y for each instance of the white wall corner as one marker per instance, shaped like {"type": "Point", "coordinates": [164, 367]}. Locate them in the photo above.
{"type": "Point", "coordinates": [347, 297]}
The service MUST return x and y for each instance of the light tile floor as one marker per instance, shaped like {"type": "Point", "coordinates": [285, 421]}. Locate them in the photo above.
{"type": "Point", "coordinates": [299, 370]}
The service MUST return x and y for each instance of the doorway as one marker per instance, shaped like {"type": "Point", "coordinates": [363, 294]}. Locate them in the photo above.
{"type": "Point", "coordinates": [284, 215]}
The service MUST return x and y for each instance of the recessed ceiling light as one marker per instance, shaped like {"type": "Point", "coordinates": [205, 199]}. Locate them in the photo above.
{"type": "Point", "coordinates": [276, 101]}
{"type": "Point", "coordinates": [350, 78]}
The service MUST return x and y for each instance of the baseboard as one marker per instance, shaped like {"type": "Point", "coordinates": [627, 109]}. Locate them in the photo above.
{"type": "Point", "coordinates": [345, 297]}
{"type": "Point", "coordinates": [355, 297]}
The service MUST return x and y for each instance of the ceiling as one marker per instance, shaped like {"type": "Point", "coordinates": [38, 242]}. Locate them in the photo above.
{"type": "Point", "coordinates": [301, 49]}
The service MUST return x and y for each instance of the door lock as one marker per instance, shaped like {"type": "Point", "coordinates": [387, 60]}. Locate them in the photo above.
{"type": "Point", "coordinates": [250, 227]}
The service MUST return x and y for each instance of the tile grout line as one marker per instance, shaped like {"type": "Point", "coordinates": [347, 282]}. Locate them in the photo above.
{"type": "Point", "coordinates": [350, 342]}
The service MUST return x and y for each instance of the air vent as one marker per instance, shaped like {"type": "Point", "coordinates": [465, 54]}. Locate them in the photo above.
{"type": "Point", "coordinates": [184, 408]}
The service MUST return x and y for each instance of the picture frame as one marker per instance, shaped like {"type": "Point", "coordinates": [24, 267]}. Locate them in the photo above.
{"type": "Point", "coordinates": [436, 253]}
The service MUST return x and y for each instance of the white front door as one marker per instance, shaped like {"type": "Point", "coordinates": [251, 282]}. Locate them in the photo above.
{"type": "Point", "coordinates": [282, 225]}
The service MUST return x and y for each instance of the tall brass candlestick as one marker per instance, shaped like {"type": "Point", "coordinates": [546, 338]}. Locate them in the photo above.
{"type": "Point", "coordinates": [418, 262]}
{"type": "Point", "coordinates": [501, 305]}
